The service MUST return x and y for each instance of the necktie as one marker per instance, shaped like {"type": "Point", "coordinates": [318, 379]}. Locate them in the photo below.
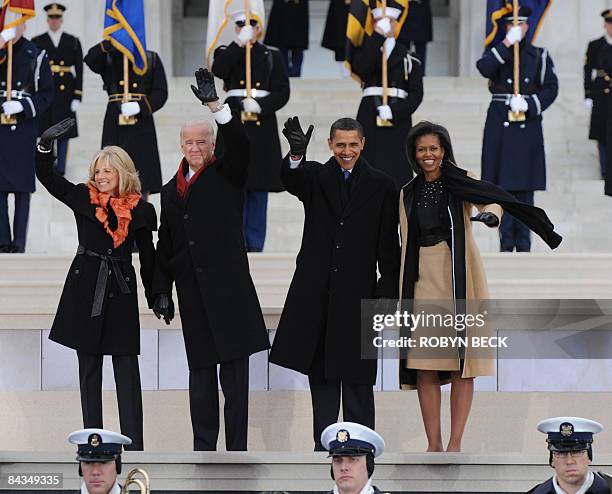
{"type": "Point", "coordinates": [346, 174]}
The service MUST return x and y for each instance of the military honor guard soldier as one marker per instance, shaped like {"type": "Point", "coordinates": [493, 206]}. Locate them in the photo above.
{"type": "Point", "coordinates": [513, 154]}
{"type": "Point", "coordinates": [147, 94]}
{"type": "Point", "coordinates": [270, 92]}
{"type": "Point", "coordinates": [288, 31]}
{"type": "Point", "coordinates": [99, 456]}
{"type": "Point", "coordinates": [570, 445]}
{"type": "Point", "coordinates": [417, 31]}
{"type": "Point", "coordinates": [352, 448]}
{"type": "Point", "coordinates": [597, 87]}
{"type": "Point", "coordinates": [31, 95]}
{"type": "Point", "coordinates": [384, 144]}
{"type": "Point", "coordinates": [66, 60]}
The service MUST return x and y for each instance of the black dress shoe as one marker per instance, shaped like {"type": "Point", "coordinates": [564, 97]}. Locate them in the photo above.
{"type": "Point", "coordinates": [16, 250]}
{"type": "Point", "coordinates": [5, 249]}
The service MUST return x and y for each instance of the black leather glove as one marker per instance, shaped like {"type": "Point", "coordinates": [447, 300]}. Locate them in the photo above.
{"type": "Point", "coordinates": [488, 219]}
{"type": "Point", "coordinates": [205, 91]}
{"type": "Point", "coordinates": [298, 141]}
{"type": "Point", "coordinates": [55, 132]}
{"type": "Point", "coordinates": [164, 307]}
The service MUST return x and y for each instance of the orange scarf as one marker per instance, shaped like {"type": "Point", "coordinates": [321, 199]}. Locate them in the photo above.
{"type": "Point", "coordinates": [122, 206]}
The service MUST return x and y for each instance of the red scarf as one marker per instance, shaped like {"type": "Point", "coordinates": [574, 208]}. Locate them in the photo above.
{"type": "Point", "coordinates": [122, 206]}
{"type": "Point", "coordinates": [182, 185]}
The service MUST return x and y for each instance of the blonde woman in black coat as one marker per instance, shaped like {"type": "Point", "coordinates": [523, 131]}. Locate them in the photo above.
{"type": "Point", "coordinates": [98, 311]}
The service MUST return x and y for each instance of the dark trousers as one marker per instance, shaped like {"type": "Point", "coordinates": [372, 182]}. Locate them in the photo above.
{"type": "Point", "coordinates": [254, 219]}
{"type": "Point", "coordinates": [603, 158]}
{"type": "Point", "coordinates": [20, 221]}
{"type": "Point", "coordinates": [512, 232]}
{"type": "Point", "coordinates": [293, 58]}
{"type": "Point", "coordinates": [204, 405]}
{"type": "Point", "coordinates": [62, 153]}
{"type": "Point", "coordinates": [357, 405]}
{"type": "Point", "coordinates": [129, 394]}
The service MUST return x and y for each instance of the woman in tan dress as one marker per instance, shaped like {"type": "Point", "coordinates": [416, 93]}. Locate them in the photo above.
{"type": "Point", "coordinates": [440, 261]}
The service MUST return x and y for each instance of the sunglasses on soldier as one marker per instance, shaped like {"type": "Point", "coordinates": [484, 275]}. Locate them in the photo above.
{"type": "Point", "coordinates": [252, 22]}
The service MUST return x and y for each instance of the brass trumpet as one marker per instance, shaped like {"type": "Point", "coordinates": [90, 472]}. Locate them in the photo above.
{"type": "Point", "coordinates": [143, 485]}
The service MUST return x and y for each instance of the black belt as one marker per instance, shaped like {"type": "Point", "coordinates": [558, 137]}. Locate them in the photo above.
{"type": "Point", "coordinates": [102, 280]}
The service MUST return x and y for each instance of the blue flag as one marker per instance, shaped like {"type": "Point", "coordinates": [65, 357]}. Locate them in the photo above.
{"type": "Point", "coordinates": [124, 27]}
{"type": "Point", "coordinates": [496, 9]}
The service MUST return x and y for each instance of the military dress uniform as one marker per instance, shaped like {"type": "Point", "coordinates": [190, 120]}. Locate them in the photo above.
{"type": "Point", "coordinates": [417, 31]}
{"type": "Point", "coordinates": [513, 154]}
{"type": "Point", "coordinates": [597, 87]}
{"type": "Point", "coordinates": [150, 91]}
{"type": "Point", "coordinates": [66, 61]}
{"type": "Point", "coordinates": [271, 91]}
{"type": "Point", "coordinates": [288, 31]}
{"type": "Point", "coordinates": [334, 33]}
{"type": "Point", "coordinates": [33, 88]}
{"type": "Point", "coordinates": [572, 436]}
{"type": "Point", "coordinates": [384, 146]}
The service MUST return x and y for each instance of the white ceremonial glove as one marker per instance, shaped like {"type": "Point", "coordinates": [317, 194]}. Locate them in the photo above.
{"type": "Point", "coordinates": [514, 35]}
{"type": "Point", "coordinates": [250, 105]}
{"type": "Point", "coordinates": [12, 107]}
{"type": "Point", "coordinates": [588, 103]}
{"type": "Point", "coordinates": [130, 108]}
{"type": "Point", "coordinates": [518, 103]}
{"type": "Point", "coordinates": [384, 112]}
{"type": "Point", "coordinates": [245, 35]}
{"type": "Point", "coordinates": [384, 25]}
{"type": "Point", "coordinates": [8, 34]}
{"type": "Point", "coordinates": [74, 105]}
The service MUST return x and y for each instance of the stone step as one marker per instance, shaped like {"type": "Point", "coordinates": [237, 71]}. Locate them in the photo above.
{"type": "Point", "coordinates": [280, 421]}
{"type": "Point", "coordinates": [306, 472]}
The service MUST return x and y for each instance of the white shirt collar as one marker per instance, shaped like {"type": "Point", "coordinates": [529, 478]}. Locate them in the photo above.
{"type": "Point", "coordinates": [608, 38]}
{"type": "Point", "coordinates": [55, 36]}
{"type": "Point", "coordinates": [115, 490]}
{"type": "Point", "coordinates": [585, 487]}
{"type": "Point", "coordinates": [367, 489]}
{"type": "Point", "coordinates": [190, 173]}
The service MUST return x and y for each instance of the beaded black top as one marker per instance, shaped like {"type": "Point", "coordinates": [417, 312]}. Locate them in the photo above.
{"type": "Point", "coordinates": [432, 213]}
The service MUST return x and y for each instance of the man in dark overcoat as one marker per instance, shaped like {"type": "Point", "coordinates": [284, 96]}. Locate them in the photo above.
{"type": "Point", "coordinates": [597, 87]}
{"type": "Point", "coordinates": [32, 93]}
{"type": "Point", "coordinates": [288, 31]}
{"type": "Point", "coordinates": [513, 154]}
{"type": "Point", "coordinates": [270, 93]}
{"type": "Point", "coordinates": [570, 455]}
{"type": "Point", "coordinates": [384, 145]}
{"type": "Point", "coordinates": [148, 94]}
{"type": "Point", "coordinates": [350, 230]}
{"type": "Point", "coordinates": [201, 249]}
{"type": "Point", "coordinates": [417, 31]}
{"type": "Point", "coordinates": [66, 60]}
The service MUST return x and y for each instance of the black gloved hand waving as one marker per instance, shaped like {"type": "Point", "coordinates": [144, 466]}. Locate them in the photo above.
{"type": "Point", "coordinates": [298, 141]}
{"type": "Point", "coordinates": [55, 132]}
{"type": "Point", "coordinates": [205, 91]}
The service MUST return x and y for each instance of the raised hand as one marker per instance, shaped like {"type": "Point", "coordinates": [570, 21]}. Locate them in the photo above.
{"type": "Point", "coordinates": [489, 219]}
{"type": "Point", "coordinates": [56, 131]}
{"type": "Point", "coordinates": [298, 141]}
{"type": "Point", "coordinates": [205, 91]}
